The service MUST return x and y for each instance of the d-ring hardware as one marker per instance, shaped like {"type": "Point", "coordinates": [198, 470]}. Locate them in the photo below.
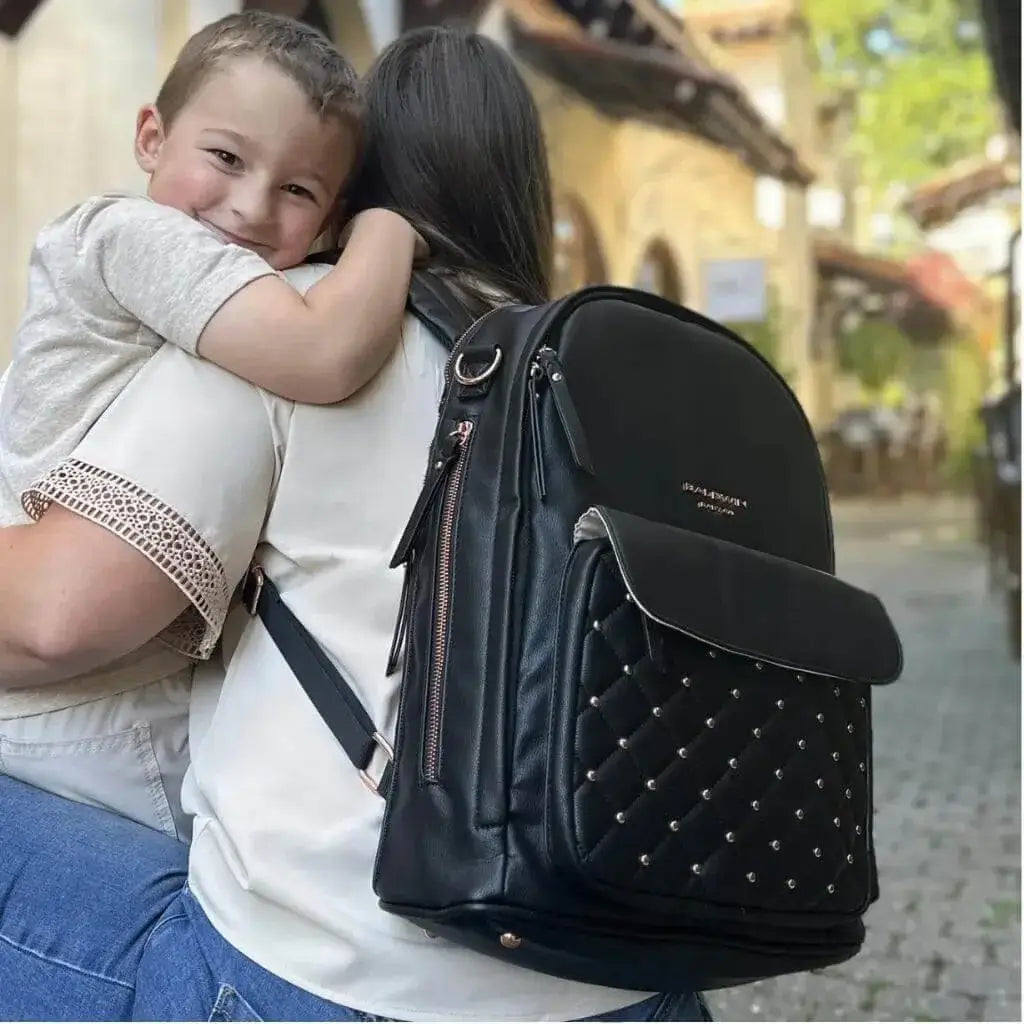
{"type": "Point", "coordinates": [471, 379]}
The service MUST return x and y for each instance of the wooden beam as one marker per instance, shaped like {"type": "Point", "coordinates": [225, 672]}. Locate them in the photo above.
{"type": "Point", "coordinates": [419, 13]}
{"type": "Point", "coordinates": [14, 14]}
{"type": "Point", "coordinates": [668, 28]}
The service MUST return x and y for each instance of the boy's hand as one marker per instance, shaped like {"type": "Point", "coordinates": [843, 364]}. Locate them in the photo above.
{"type": "Point", "coordinates": [420, 248]}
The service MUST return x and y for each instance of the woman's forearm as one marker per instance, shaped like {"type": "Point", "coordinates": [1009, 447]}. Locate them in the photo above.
{"type": "Point", "coordinates": [74, 597]}
{"type": "Point", "coordinates": [24, 668]}
{"type": "Point", "coordinates": [24, 655]}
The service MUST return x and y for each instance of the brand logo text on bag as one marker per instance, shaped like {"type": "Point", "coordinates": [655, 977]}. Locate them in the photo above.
{"type": "Point", "coordinates": [717, 502]}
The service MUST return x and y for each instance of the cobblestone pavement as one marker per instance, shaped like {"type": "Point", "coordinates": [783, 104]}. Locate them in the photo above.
{"type": "Point", "coordinates": [943, 941]}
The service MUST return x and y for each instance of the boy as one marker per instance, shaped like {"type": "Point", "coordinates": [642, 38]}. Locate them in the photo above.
{"type": "Point", "coordinates": [247, 147]}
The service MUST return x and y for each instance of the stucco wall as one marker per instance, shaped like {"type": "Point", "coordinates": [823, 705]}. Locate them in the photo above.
{"type": "Point", "coordinates": [72, 82]}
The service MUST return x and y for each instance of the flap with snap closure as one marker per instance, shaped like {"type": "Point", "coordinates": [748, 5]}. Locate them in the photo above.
{"type": "Point", "coordinates": [747, 602]}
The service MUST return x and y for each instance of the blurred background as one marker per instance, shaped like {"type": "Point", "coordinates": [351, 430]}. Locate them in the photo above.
{"type": "Point", "coordinates": [839, 181]}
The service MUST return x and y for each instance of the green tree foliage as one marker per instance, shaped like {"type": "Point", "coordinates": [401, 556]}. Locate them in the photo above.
{"type": "Point", "coordinates": [922, 80]}
{"type": "Point", "coordinates": [876, 352]}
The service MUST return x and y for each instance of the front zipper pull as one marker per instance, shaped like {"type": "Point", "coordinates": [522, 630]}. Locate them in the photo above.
{"type": "Point", "coordinates": [442, 462]}
{"type": "Point", "coordinates": [538, 457]}
{"type": "Point", "coordinates": [402, 622]}
{"type": "Point", "coordinates": [566, 410]}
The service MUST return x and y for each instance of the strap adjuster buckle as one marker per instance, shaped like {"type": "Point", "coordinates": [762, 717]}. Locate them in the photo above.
{"type": "Point", "coordinates": [253, 588]}
{"type": "Point", "coordinates": [373, 785]}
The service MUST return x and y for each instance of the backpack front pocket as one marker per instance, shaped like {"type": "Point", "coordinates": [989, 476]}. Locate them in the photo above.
{"type": "Point", "coordinates": [711, 724]}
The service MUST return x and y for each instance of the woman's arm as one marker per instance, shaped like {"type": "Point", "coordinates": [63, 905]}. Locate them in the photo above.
{"type": "Point", "coordinates": [74, 597]}
{"type": "Point", "coordinates": [158, 509]}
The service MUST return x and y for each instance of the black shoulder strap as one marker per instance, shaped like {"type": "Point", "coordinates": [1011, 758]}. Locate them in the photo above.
{"type": "Point", "coordinates": [330, 692]}
{"type": "Point", "coordinates": [434, 304]}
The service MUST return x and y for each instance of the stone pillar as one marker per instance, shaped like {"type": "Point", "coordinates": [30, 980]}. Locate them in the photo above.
{"type": "Point", "coordinates": [796, 77]}
{"type": "Point", "coordinates": [180, 19]}
{"type": "Point", "coordinates": [797, 297]}
{"type": "Point", "coordinates": [351, 32]}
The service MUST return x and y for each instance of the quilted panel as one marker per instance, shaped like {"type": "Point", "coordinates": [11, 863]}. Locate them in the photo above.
{"type": "Point", "coordinates": [710, 776]}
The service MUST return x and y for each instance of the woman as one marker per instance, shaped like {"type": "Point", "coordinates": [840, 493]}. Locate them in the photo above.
{"type": "Point", "coordinates": [278, 919]}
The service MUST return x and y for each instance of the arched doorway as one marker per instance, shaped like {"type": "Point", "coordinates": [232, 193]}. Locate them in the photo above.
{"type": "Point", "coordinates": [657, 272]}
{"type": "Point", "coordinates": [578, 259]}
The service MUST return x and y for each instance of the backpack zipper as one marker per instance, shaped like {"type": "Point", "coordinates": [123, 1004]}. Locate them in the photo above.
{"type": "Point", "coordinates": [442, 602]}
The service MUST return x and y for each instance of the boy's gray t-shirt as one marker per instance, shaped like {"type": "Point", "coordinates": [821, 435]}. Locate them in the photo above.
{"type": "Point", "coordinates": [109, 281]}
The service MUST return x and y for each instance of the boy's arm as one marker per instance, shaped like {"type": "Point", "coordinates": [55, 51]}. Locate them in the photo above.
{"type": "Point", "coordinates": [325, 345]}
{"type": "Point", "coordinates": [178, 278]}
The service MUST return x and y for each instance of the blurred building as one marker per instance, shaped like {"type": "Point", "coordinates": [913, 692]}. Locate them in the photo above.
{"type": "Point", "coordinates": [690, 156]}
{"type": "Point", "coordinates": [970, 217]}
{"type": "Point", "coordinates": [73, 74]}
{"type": "Point", "coordinates": [660, 160]}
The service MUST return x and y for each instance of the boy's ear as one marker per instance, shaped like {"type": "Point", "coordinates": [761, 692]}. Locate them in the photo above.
{"type": "Point", "coordinates": [149, 137]}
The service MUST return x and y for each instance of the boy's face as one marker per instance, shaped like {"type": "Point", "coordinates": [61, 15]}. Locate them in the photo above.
{"type": "Point", "coordinates": [249, 158]}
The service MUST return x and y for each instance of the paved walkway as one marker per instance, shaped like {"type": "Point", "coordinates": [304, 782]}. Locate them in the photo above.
{"type": "Point", "coordinates": [944, 938]}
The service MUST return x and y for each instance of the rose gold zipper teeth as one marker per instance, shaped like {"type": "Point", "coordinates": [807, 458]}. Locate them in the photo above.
{"type": "Point", "coordinates": [442, 604]}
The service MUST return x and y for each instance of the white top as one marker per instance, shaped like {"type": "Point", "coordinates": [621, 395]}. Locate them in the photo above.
{"type": "Point", "coordinates": [285, 833]}
{"type": "Point", "coordinates": [108, 282]}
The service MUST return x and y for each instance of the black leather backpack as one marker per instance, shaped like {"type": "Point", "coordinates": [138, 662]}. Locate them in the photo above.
{"type": "Point", "coordinates": [634, 744]}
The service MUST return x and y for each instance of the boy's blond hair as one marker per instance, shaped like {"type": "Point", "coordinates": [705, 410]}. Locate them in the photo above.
{"type": "Point", "coordinates": [328, 81]}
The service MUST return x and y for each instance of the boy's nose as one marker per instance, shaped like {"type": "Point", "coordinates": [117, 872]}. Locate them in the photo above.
{"type": "Point", "coordinates": [251, 204]}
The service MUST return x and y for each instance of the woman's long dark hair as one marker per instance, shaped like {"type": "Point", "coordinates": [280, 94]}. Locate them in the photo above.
{"type": "Point", "coordinates": [454, 144]}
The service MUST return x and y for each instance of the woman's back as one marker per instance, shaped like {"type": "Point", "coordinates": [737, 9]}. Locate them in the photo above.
{"type": "Point", "coordinates": [285, 832]}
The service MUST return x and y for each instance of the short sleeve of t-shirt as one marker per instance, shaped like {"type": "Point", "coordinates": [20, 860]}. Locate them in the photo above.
{"type": "Point", "coordinates": [182, 467]}
{"type": "Point", "coordinates": [171, 272]}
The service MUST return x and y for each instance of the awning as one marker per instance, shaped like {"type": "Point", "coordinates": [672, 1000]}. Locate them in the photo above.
{"type": "Point", "coordinates": [835, 258]}
{"type": "Point", "coordinates": [904, 291]}
{"type": "Point", "coordinates": [14, 14]}
{"type": "Point", "coordinates": [652, 82]}
{"type": "Point", "coordinates": [963, 185]}
{"type": "Point", "coordinates": [744, 22]}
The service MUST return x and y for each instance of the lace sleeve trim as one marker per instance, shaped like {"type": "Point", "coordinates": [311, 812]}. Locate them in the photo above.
{"type": "Point", "coordinates": [153, 528]}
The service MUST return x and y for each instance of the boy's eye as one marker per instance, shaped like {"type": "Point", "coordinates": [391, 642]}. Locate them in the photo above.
{"type": "Point", "coordinates": [226, 158]}
{"type": "Point", "coordinates": [299, 190]}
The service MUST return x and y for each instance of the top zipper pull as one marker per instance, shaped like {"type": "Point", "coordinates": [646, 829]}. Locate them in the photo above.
{"type": "Point", "coordinates": [570, 419]}
{"type": "Point", "coordinates": [538, 452]}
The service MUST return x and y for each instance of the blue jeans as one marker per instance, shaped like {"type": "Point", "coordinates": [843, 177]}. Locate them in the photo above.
{"type": "Point", "coordinates": [97, 923]}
